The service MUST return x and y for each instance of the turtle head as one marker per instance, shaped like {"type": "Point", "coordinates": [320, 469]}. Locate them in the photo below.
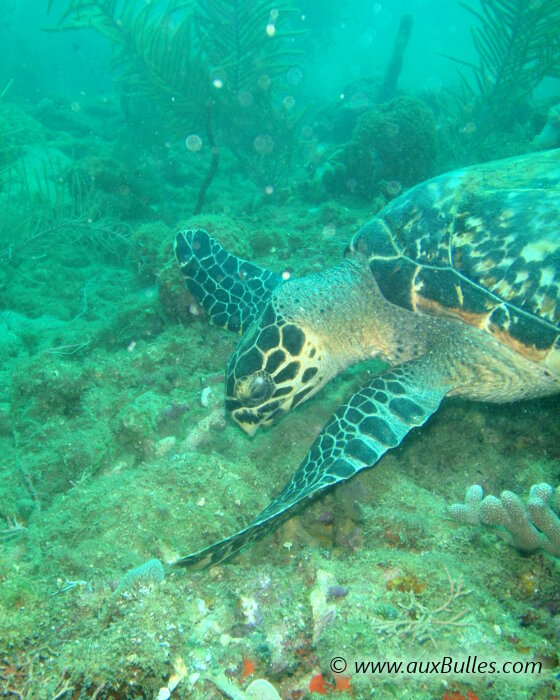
{"type": "Point", "coordinates": [277, 364]}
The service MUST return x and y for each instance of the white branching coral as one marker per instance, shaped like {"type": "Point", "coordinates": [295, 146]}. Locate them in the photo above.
{"type": "Point", "coordinates": [527, 526]}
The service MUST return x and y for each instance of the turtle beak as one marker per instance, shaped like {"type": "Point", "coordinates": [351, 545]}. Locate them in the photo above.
{"type": "Point", "coordinates": [249, 428]}
{"type": "Point", "coordinates": [250, 422]}
{"type": "Point", "coordinates": [246, 420]}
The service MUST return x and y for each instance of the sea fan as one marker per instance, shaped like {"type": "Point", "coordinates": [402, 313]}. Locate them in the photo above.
{"type": "Point", "coordinates": [194, 59]}
{"type": "Point", "coordinates": [518, 44]}
{"type": "Point", "coordinates": [245, 42]}
{"type": "Point", "coordinates": [183, 48]}
{"type": "Point", "coordinates": [154, 49]}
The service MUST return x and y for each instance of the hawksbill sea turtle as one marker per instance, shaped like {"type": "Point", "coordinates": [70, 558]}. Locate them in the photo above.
{"type": "Point", "coordinates": [455, 284]}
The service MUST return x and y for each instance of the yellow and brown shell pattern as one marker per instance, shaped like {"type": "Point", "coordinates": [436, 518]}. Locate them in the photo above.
{"type": "Point", "coordinates": [481, 245]}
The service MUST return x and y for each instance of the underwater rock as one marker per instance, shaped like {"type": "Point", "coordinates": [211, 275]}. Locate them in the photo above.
{"type": "Point", "coordinates": [175, 299]}
{"type": "Point", "coordinates": [549, 137]}
{"type": "Point", "coordinates": [165, 445]}
{"type": "Point", "coordinates": [205, 429]}
{"type": "Point", "coordinates": [135, 424]}
{"type": "Point", "coordinates": [393, 146]}
{"type": "Point", "coordinates": [323, 612]}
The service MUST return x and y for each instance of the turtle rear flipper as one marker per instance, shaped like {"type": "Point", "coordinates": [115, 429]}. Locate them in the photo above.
{"type": "Point", "coordinates": [232, 291]}
{"type": "Point", "coordinates": [376, 419]}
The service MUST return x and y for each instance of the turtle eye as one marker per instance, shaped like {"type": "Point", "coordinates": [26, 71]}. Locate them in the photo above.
{"type": "Point", "coordinates": [254, 389]}
{"type": "Point", "coordinates": [260, 389]}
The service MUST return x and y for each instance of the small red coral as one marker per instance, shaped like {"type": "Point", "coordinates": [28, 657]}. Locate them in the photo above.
{"type": "Point", "coordinates": [342, 684]}
{"type": "Point", "coordinates": [248, 668]}
{"type": "Point", "coordinates": [319, 685]}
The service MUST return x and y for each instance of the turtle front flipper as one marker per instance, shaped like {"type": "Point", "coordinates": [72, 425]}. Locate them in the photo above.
{"type": "Point", "coordinates": [356, 436]}
{"type": "Point", "coordinates": [230, 289]}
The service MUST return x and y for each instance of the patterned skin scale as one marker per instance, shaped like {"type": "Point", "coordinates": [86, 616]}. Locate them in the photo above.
{"type": "Point", "coordinates": [416, 290]}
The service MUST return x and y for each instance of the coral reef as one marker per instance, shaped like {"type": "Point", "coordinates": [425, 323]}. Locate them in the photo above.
{"type": "Point", "coordinates": [527, 526]}
{"type": "Point", "coordinates": [393, 146]}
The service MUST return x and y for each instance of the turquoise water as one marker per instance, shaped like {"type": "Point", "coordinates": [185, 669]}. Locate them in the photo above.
{"type": "Point", "coordinates": [280, 128]}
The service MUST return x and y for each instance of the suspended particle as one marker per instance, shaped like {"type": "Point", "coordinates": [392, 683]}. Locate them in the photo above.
{"type": "Point", "coordinates": [392, 129]}
{"type": "Point", "coordinates": [218, 83]}
{"type": "Point", "coordinates": [263, 82]}
{"type": "Point", "coordinates": [365, 40]}
{"type": "Point", "coordinates": [270, 29]}
{"type": "Point", "coordinates": [269, 189]}
{"type": "Point", "coordinates": [245, 98]}
{"type": "Point", "coordinates": [393, 188]}
{"type": "Point", "coordinates": [75, 107]}
{"type": "Point", "coordinates": [193, 142]}
{"type": "Point", "coordinates": [289, 102]}
{"type": "Point", "coordinates": [263, 144]}
{"type": "Point", "coordinates": [469, 128]}
{"type": "Point", "coordinates": [329, 230]}
{"type": "Point", "coordinates": [359, 101]}
{"type": "Point", "coordinates": [286, 275]}
{"type": "Point", "coordinates": [294, 76]}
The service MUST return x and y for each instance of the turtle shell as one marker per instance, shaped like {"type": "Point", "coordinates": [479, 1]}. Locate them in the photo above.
{"type": "Point", "coordinates": [481, 245]}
